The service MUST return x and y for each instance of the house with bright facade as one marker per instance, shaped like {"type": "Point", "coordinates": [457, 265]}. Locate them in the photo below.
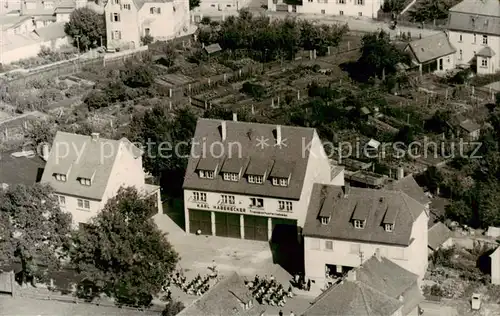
{"type": "Point", "coordinates": [85, 171]}
{"type": "Point", "coordinates": [474, 30]}
{"type": "Point", "coordinates": [347, 225]}
{"type": "Point", "coordinates": [243, 180]}
{"type": "Point", "coordinates": [127, 21]}
{"type": "Point", "coordinates": [355, 8]}
{"type": "Point", "coordinates": [432, 54]}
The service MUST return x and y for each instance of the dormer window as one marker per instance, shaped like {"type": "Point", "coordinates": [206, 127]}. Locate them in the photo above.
{"type": "Point", "coordinates": [85, 181]}
{"type": "Point", "coordinates": [60, 177]}
{"type": "Point", "coordinates": [255, 179]}
{"type": "Point", "coordinates": [229, 176]}
{"type": "Point", "coordinates": [325, 220]}
{"type": "Point", "coordinates": [207, 174]}
{"type": "Point", "coordinates": [283, 182]}
{"type": "Point", "coordinates": [360, 224]}
{"type": "Point", "coordinates": [389, 227]}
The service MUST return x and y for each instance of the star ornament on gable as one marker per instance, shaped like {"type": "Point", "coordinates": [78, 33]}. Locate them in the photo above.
{"type": "Point", "coordinates": [281, 144]}
{"type": "Point", "coordinates": [262, 142]}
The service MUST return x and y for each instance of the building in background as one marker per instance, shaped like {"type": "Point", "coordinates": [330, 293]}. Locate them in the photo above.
{"type": "Point", "coordinates": [474, 30]}
{"type": "Point", "coordinates": [127, 21]}
{"type": "Point", "coordinates": [357, 8]}
{"type": "Point", "coordinates": [432, 54]}
{"type": "Point", "coordinates": [244, 180]}
{"type": "Point", "coordinates": [86, 171]}
{"type": "Point", "coordinates": [346, 225]}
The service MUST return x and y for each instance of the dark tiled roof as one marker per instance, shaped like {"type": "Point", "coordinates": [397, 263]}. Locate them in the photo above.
{"type": "Point", "coordinates": [282, 170]}
{"type": "Point", "coordinates": [21, 170]}
{"type": "Point", "coordinates": [431, 47]}
{"type": "Point", "coordinates": [437, 235]}
{"type": "Point", "coordinates": [470, 126]}
{"type": "Point", "coordinates": [478, 7]}
{"type": "Point", "coordinates": [409, 186]}
{"type": "Point", "coordinates": [234, 165]}
{"type": "Point", "coordinates": [225, 298]}
{"type": "Point", "coordinates": [470, 22]}
{"type": "Point", "coordinates": [261, 159]}
{"type": "Point", "coordinates": [353, 298]}
{"type": "Point", "coordinates": [374, 202]}
{"type": "Point", "coordinates": [378, 282]}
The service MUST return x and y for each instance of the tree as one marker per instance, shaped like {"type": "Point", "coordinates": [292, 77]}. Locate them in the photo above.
{"type": "Point", "coordinates": [193, 4]}
{"type": "Point", "coordinates": [138, 76]}
{"type": "Point", "coordinates": [431, 10]}
{"type": "Point", "coordinates": [172, 308]}
{"type": "Point", "coordinates": [38, 231]}
{"type": "Point", "coordinates": [41, 131]}
{"type": "Point", "coordinates": [86, 27]}
{"type": "Point", "coordinates": [122, 253]}
{"type": "Point", "coordinates": [96, 100]}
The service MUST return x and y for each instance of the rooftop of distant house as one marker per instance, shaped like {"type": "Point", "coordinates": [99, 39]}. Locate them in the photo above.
{"type": "Point", "coordinates": [20, 167]}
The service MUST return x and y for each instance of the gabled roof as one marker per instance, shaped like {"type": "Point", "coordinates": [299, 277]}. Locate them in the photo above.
{"type": "Point", "coordinates": [375, 290]}
{"type": "Point", "coordinates": [140, 3]}
{"type": "Point", "coordinates": [470, 125]}
{"type": "Point", "coordinates": [225, 298]}
{"type": "Point", "coordinates": [478, 7]}
{"type": "Point", "coordinates": [20, 170]}
{"type": "Point", "coordinates": [78, 156]}
{"type": "Point", "coordinates": [437, 235]}
{"type": "Point", "coordinates": [409, 186]}
{"type": "Point", "coordinates": [242, 141]}
{"type": "Point", "coordinates": [475, 16]}
{"type": "Point", "coordinates": [375, 203]}
{"type": "Point", "coordinates": [486, 52]}
{"type": "Point", "coordinates": [51, 32]}
{"type": "Point", "coordinates": [431, 47]}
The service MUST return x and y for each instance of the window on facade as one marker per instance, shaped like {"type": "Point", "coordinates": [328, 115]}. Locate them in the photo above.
{"type": "Point", "coordinates": [115, 17]}
{"type": "Point", "coordinates": [229, 176]}
{"type": "Point", "coordinates": [158, 10]}
{"type": "Point", "coordinates": [206, 174]}
{"type": "Point", "coordinates": [460, 54]}
{"type": "Point", "coordinates": [359, 223]}
{"type": "Point", "coordinates": [116, 1]}
{"type": "Point", "coordinates": [389, 227]}
{"type": "Point", "coordinates": [228, 5]}
{"type": "Point", "coordinates": [360, 2]}
{"type": "Point", "coordinates": [360, 13]}
{"type": "Point", "coordinates": [355, 248]}
{"type": "Point", "coordinates": [474, 39]}
{"type": "Point", "coordinates": [314, 244]}
{"type": "Point", "coordinates": [200, 196]}
{"type": "Point", "coordinates": [484, 63]}
{"type": "Point", "coordinates": [460, 38]}
{"type": "Point", "coordinates": [285, 206]}
{"type": "Point", "coordinates": [116, 35]}
{"type": "Point", "coordinates": [61, 199]}
{"type": "Point", "coordinates": [84, 204]}
{"type": "Point", "coordinates": [256, 202]}
{"type": "Point", "coordinates": [255, 179]}
{"type": "Point", "coordinates": [328, 245]}
{"type": "Point", "coordinates": [126, 6]}
{"type": "Point", "coordinates": [485, 40]}
{"type": "Point", "coordinates": [48, 5]}
{"type": "Point", "coordinates": [228, 199]}
{"type": "Point", "coordinates": [60, 177]}
{"type": "Point", "coordinates": [341, 1]}
{"type": "Point", "coordinates": [341, 12]}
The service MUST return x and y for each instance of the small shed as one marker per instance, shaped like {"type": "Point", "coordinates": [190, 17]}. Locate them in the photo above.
{"type": "Point", "coordinates": [439, 236]}
{"type": "Point", "coordinates": [432, 53]}
{"type": "Point", "coordinates": [212, 49]}
{"type": "Point", "coordinates": [495, 267]}
{"type": "Point", "coordinates": [465, 127]}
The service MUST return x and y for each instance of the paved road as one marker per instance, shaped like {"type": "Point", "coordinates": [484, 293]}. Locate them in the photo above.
{"type": "Point", "coordinates": [355, 24]}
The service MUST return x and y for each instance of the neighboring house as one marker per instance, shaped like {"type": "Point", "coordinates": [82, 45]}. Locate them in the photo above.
{"type": "Point", "coordinates": [53, 36]}
{"type": "Point", "coordinates": [495, 267]}
{"type": "Point", "coordinates": [347, 225]}
{"type": "Point", "coordinates": [14, 128]}
{"type": "Point", "coordinates": [377, 288]}
{"type": "Point", "coordinates": [228, 297]}
{"type": "Point", "coordinates": [24, 167]}
{"type": "Point", "coordinates": [432, 53]}
{"type": "Point", "coordinates": [127, 21]}
{"type": "Point", "coordinates": [247, 178]}
{"type": "Point", "coordinates": [409, 186]}
{"type": "Point", "coordinates": [440, 236]}
{"type": "Point", "coordinates": [464, 127]}
{"type": "Point", "coordinates": [86, 171]}
{"type": "Point", "coordinates": [357, 8]}
{"type": "Point", "coordinates": [211, 6]}
{"type": "Point", "coordinates": [474, 30]}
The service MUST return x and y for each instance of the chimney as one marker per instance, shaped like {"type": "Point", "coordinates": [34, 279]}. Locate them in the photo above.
{"type": "Point", "coordinates": [347, 189]}
{"type": "Point", "coordinates": [351, 275]}
{"type": "Point", "coordinates": [45, 152]}
{"type": "Point", "coordinates": [400, 174]}
{"type": "Point", "coordinates": [95, 136]}
{"type": "Point", "coordinates": [223, 130]}
{"type": "Point", "coordinates": [377, 254]}
{"type": "Point", "coordinates": [235, 117]}
{"type": "Point", "coordinates": [278, 134]}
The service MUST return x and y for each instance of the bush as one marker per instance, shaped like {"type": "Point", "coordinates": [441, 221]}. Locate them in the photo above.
{"type": "Point", "coordinates": [96, 100]}
{"type": "Point", "coordinates": [256, 91]}
{"type": "Point", "coordinates": [206, 20]}
{"type": "Point", "coordinates": [147, 39]}
{"type": "Point", "coordinates": [172, 308]}
{"type": "Point", "coordinates": [138, 76]}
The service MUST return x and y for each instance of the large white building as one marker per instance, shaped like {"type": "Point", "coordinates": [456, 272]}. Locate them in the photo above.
{"type": "Point", "coordinates": [474, 30]}
{"type": "Point", "coordinates": [127, 21]}
{"type": "Point", "coordinates": [346, 225]}
{"type": "Point", "coordinates": [86, 171]}
{"type": "Point", "coordinates": [358, 8]}
{"type": "Point", "coordinates": [244, 179]}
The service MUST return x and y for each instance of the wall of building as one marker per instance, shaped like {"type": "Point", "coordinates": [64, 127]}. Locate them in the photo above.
{"type": "Point", "coordinates": [418, 248]}
{"type": "Point", "coordinates": [368, 8]}
{"type": "Point", "coordinates": [62, 17]}
{"type": "Point", "coordinates": [161, 26]}
{"type": "Point", "coordinates": [208, 6]}
{"type": "Point", "coordinates": [495, 267]}
{"type": "Point", "coordinates": [80, 215]}
{"type": "Point", "coordinates": [127, 26]}
{"type": "Point", "coordinates": [464, 42]}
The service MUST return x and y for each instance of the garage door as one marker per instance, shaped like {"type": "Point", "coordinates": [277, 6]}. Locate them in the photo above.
{"type": "Point", "coordinates": [227, 225]}
{"type": "Point", "coordinates": [284, 230]}
{"type": "Point", "coordinates": [255, 227]}
{"type": "Point", "coordinates": [200, 220]}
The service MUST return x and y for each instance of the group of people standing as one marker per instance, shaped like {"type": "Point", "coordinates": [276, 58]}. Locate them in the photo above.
{"type": "Point", "coordinates": [268, 291]}
{"type": "Point", "coordinates": [300, 282]}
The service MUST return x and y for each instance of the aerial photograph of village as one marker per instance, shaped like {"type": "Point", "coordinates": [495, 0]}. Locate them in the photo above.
{"type": "Point", "coordinates": [250, 157]}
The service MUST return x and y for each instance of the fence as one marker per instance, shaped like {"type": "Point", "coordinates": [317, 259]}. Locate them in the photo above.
{"type": "Point", "coordinates": [405, 20]}
{"type": "Point", "coordinates": [70, 67]}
